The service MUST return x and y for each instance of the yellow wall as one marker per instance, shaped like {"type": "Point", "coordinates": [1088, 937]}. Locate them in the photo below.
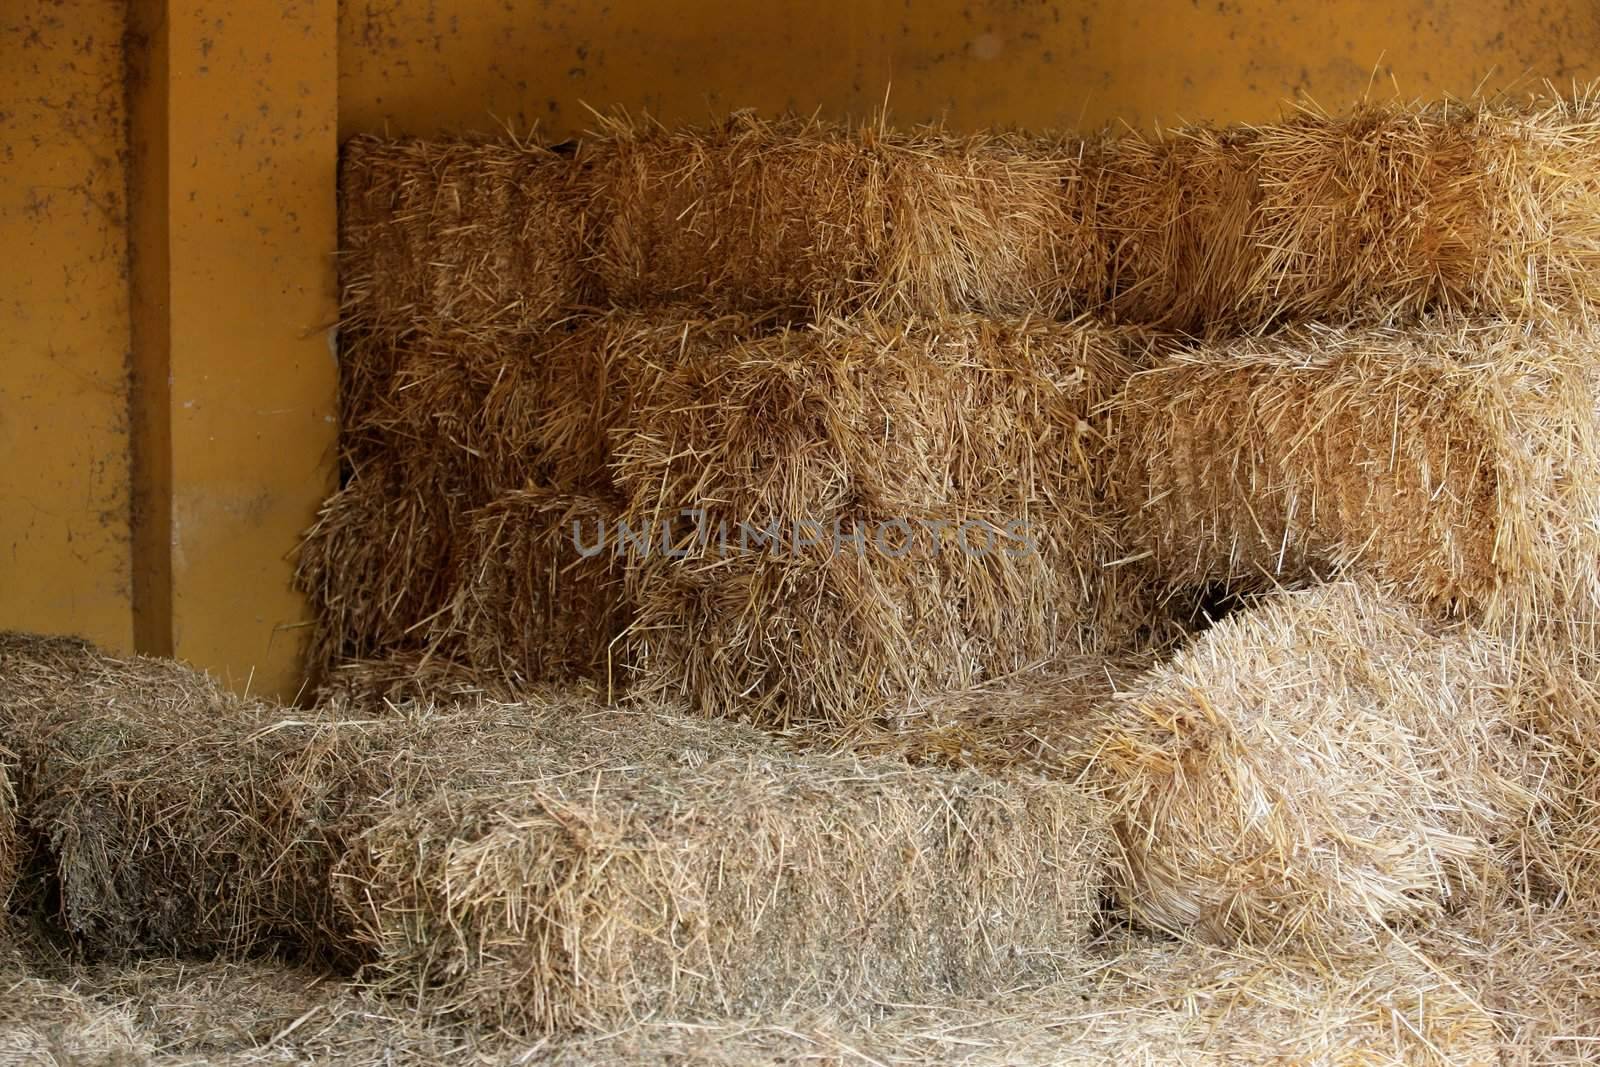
{"type": "Point", "coordinates": [419, 67]}
{"type": "Point", "coordinates": [64, 555]}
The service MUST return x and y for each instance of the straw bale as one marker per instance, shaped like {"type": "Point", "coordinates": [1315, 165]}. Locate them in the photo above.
{"type": "Point", "coordinates": [1460, 461]}
{"type": "Point", "coordinates": [517, 861]}
{"type": "Point", "coordinates": [1145, 1002]}
{"type": "Point", "coordinates": [10, 829]}
{"type": "Point", "coordinates": [800, 216]}
{"type": "Point", "coordinates": [1533, 967]}
{"type": "Point", "coordinates": [621, 878]}
{"type": "Point", "coordinates": [377, 564]}
{"type": "Point", "coordinates": [1316, 767]}
{"type": "Point", "coordinates": [1393, 209]}
{"type": "Point", "coordinates": [997, 224]}
{"type": "Point", "coordinates": [535, 599]}
{"type": "Point", "coordinates": [551, 411]}
{"type": "Point", "coordinates": [866, 436]}
{"type": "Point", "coordinates": [460, 235]}
{"type": "Point", "coordinates": [747, 216]}
{"type": "Point", "coordinates": [1177, 216]}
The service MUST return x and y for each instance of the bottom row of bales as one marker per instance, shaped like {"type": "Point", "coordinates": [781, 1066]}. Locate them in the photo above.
{"type": "Point", "coordinates": [1317, 776]}
{"type": "Point", "coordinates": [830, 525]}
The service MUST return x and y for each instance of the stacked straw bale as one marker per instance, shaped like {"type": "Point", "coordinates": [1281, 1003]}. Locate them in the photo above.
{"type": "Point", "coordinates": [471, 237]}
{"type": "Point", "coordinates": [1317, 767]}
{"type": "Point", "coordinates": [529, 605]}
{"type": "Point", "coordinates": [797, 216]}
{"type": "Point", "coordinates": [1378, 216]}
{"type": "Point", "coordinates": [1459, 461]}
{"type": "Point", "coordinates": [862, 436]}
{"type": "Point", "coordinates": [539, 865]}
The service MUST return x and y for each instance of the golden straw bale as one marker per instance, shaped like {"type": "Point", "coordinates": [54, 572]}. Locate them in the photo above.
{"type": "Point", "coordinates": [1316, 767]}
{"type": "Point", "coordinates": [552, 408]}
{"type": "Point", "coordinates": [537, 596]}
{"type": "Point", "coordinates": [1000, 225]}
{"type": "Point", "coordinates": [465, 235]}
{"type": "Point", "coordinates": [1178, 217]}
{"type": "Point", "coordinates": [1395, 209]}
{"type": "Point", "coordinates": [1460, 461]}
{"type": "Point", "coordinates": [747, 216]}
{"type": "Point", "coordinates": [798, 216]}
{"type": "Point", "coordinates": [953, 469]}
{"type": "Point", "coordinates": [636, 871]}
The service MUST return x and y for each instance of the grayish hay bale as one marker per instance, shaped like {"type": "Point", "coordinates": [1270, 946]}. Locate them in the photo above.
{"type": "Point", "coordinates": [543, 865]}
{"type": "Point", "coordinates": [10, 828]}
{"type": "Point", "coordinates": [1316, 768]}
{"type": "Point", "coordinates": [618, 880]}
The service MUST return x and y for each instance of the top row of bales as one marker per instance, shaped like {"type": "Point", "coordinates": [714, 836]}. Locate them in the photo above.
{"type": "Point", "coordinates": [1376, 216]}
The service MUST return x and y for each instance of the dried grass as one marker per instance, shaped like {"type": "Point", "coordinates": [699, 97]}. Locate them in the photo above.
{"type": "Point", "coordinates": [799, 215]}
{"type": "Point", "coordinates": [529, 606]}
{"type": "Point", "coordinates": [11, 846]}
{"type": "Point", "coordinates": [1177, 218]}
{"type": "Point", "coordinates": [545, 864]}
{"type": "Point", "coordinates": [1486, 206]}
{"type": "Point", "coordinates": [1459, 461]}
{"type": "Point", "coordinates": [378, 563]}
{"type": "Point", "coordinates": [749, 216]}
{"type": "Point", "coordinates": [1536, 969]}
{"type": "Point", "coordinates": [469, 236]}
{"type": "Point", "coordinates": [1146, 1002]}
{"type": "Point", "coordinates": [1320, 767]}
{"type": "Point", "coordinates": [877, 431]}
{"type": "Point", "coordinates": [1379, 215]}
{"type": "Point", "coordinates": [640, 867]}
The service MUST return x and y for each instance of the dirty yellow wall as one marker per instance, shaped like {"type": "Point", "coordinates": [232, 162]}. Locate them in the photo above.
{"type": "Point", "coordinates": [424, 67]}
{"type": "Point", "coordinates": [64, 498]}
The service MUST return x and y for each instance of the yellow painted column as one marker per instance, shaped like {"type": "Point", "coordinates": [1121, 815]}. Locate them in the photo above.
{"type": "Point", "coordinates": [235, 136]}
{"type": "Point", "coordinates": [64, 553]}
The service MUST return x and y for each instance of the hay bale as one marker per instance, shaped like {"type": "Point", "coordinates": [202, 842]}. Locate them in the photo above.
{"type": "Point", "coordinates": [530, 605]}
{"type": "Point", "coordinates": [1459, 461]}
{"type": "Point", "coordinates": [470, 236]}
{"type": "Point", "coordinates": [1380, 215]}
{"type": "Point", "coordinates": [10, 828]}
{"type": "Point", "coordinates": [1177, 215]}
{"type": "Point", "coordinates": [639, 869]}
{"type": "Point", "coordinates": [184, 820]}
{"type": "Point", "coordinates": [746, 216]}
{"type": "Point", "coordinates": [1392, 210]}
{"type": "Point", "coordinates": [797, 215]}
{"type": "Point", "coordinates": [1144, 1001]}
{"type": "Point", "coordinates": [1317, 767]}
{"type": "Point", "coordinates": [377, 564]}
{"type": "Point", "coordinates": [866, 437]}
{"type": "Point", "coordinates": [1532, 967]}
{"type": "Point", "coordinates": [1000, 225]}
